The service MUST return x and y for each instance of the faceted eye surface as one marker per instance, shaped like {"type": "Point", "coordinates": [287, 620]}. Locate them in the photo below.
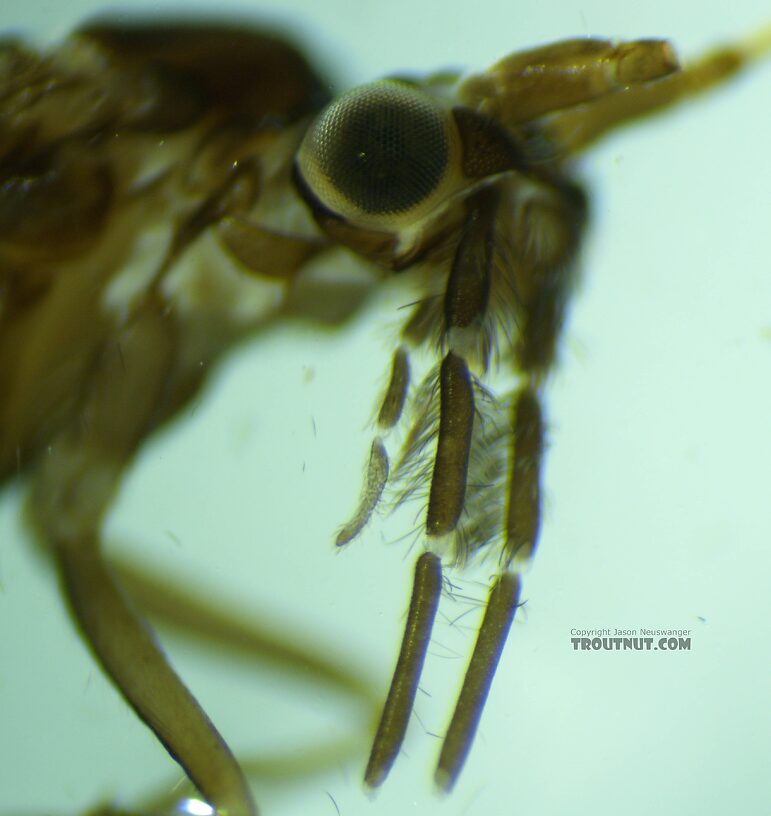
{"type": "Point", "coordinates": [379, 150]}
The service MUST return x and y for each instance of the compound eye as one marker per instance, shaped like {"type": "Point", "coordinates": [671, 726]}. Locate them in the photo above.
{"type": "Point", "coordinates": [379, 151]}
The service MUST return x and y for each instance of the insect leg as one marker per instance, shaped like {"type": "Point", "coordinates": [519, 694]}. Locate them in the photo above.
{"type": "Point", "coordinates": [71, 495]}
{"type": "Point", "coordinates": [185, 612]}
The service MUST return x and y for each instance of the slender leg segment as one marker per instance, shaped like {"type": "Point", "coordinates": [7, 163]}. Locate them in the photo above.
{"type": "Point", "coordinates": [426, 589]}
{"type": "Point", "coordinates": [491, 639]}
{"type": "Point", "coordinates": [210, 622]}
{"type": "Point", "coordinates": [129, 653]}
{"type": "Point", "coordinates": [72, 492]}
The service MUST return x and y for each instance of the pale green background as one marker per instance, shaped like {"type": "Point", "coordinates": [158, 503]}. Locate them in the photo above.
{"type": "Point", "coordinates": [656, 484]}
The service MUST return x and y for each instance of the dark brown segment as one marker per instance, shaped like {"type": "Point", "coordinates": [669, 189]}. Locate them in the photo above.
{"type": "Point", "coordinates": [487, 147]}
{"type": "Point", "coordinates": [501, 606]}
{"type": "Point", "coordinates": [456, 422]}
{"type": "Point", "coordinates": [54, 202]}
{"type": "Point", "coordinates": [189, 68]}
{"type": "Point", "coordinates": [426, 589]}
{"type": "Point", "coordinates": [468, 287]}
{"type": "Point", "coordinates": [523, 514]}
{"type": "Point", "coordinates": [393, 402]}
{"type": "Point", "coordinates": [550, 278]}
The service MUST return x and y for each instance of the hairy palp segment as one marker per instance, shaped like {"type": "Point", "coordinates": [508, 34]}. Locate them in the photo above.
{"type": "Point", "coordinates": [456, 423]}
{"type": "Point", "coordinates": [375, 481]}
{"type": "Point", "coordinates": [427, 586]}
{"type": "Point", "coordinates": [523, 513]}
{"type": "Point", "coordinates": [396, 393]}
{"type": "Point", "coordinates": [491, 639]}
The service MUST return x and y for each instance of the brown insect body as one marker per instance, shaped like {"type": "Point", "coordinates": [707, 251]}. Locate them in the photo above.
{"type": "Point", "coordinates": [131, 142]}
{"type": "Point", "coordinates": [87, 126]}
{"type": "Point", "coordinates": [90, 362]}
